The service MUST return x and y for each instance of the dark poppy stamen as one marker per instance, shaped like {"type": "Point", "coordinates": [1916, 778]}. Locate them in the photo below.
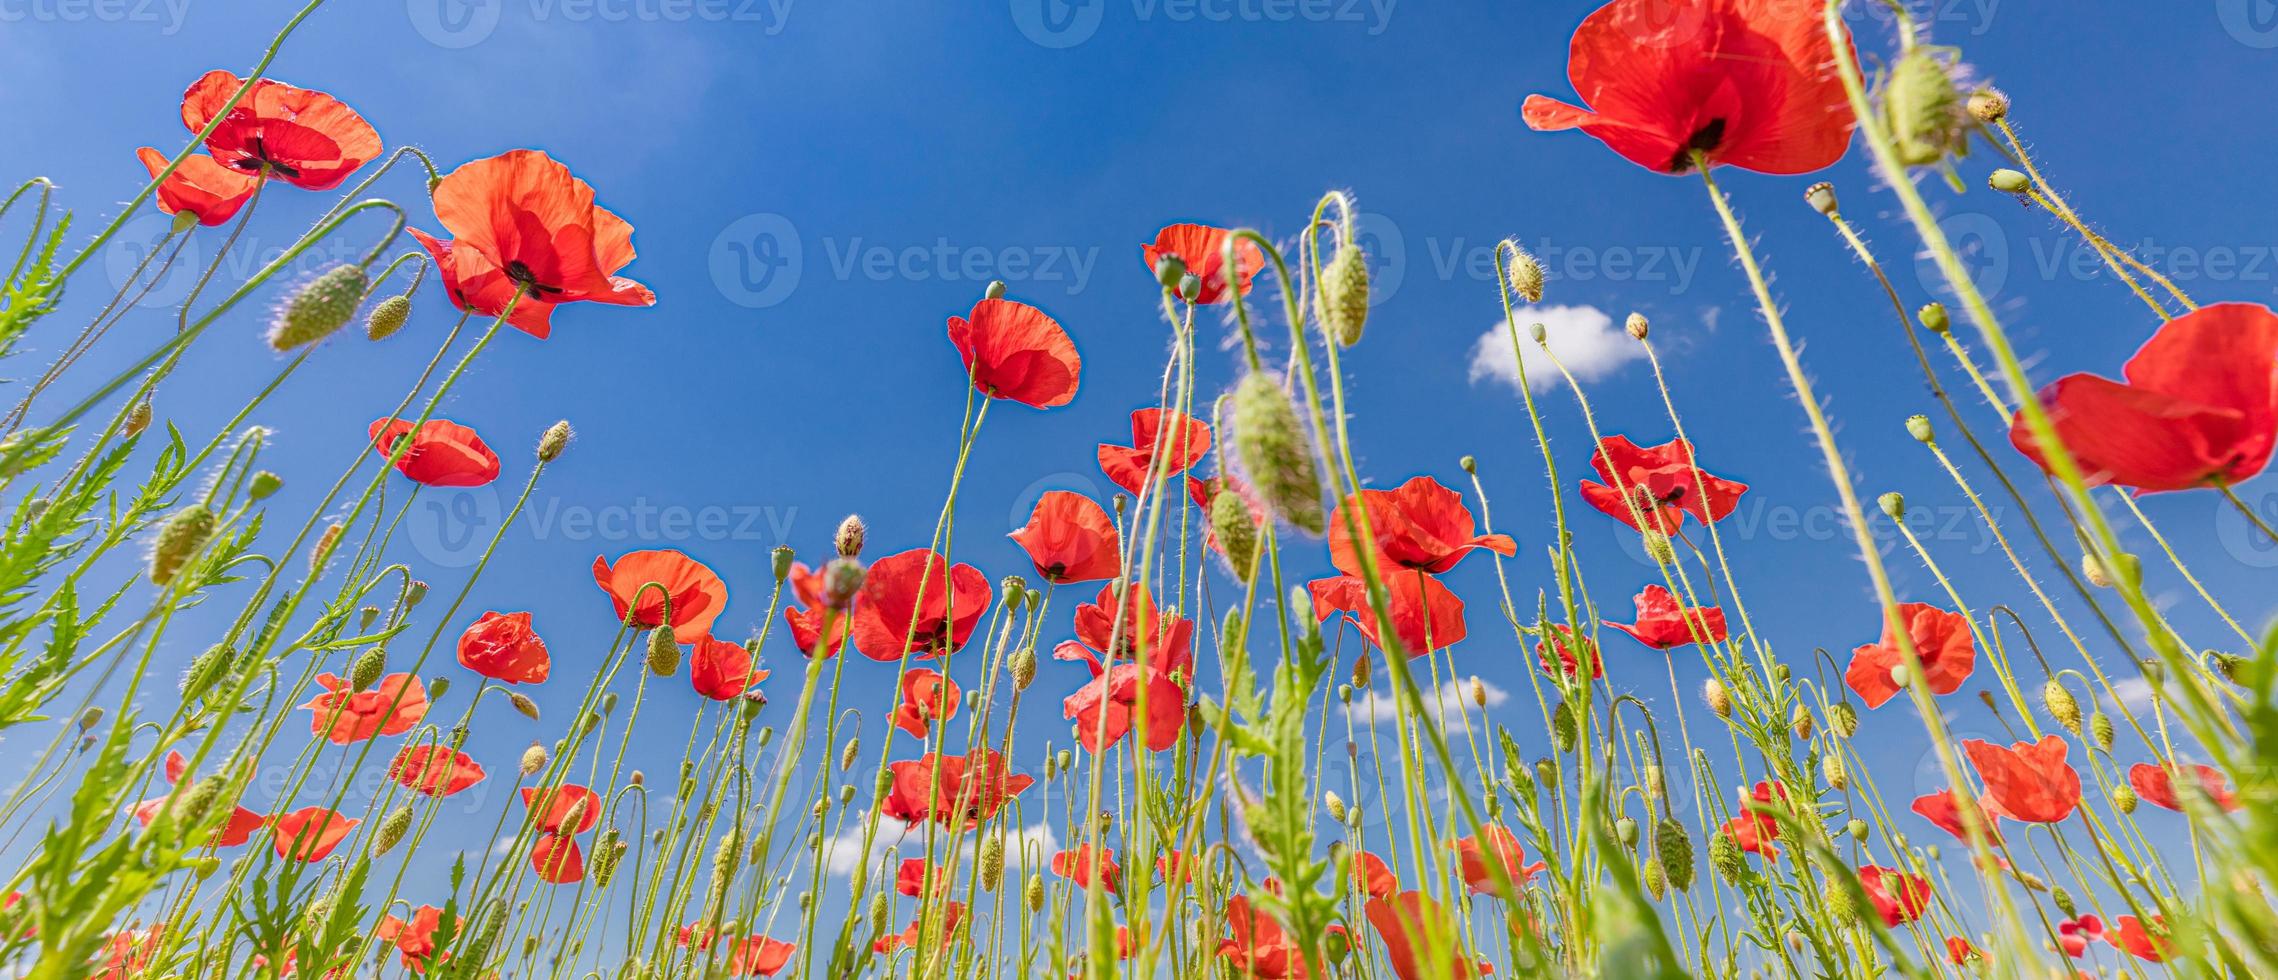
{"type": "Point", "coordinates": [1704, 141]}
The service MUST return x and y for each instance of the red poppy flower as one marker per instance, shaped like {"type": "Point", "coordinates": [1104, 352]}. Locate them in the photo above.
{"type": "Point", "coordinates": [557, 859]}
{"type": "Point", "coordinates": [759, 956]}
{"type": "Point", "coordinates": [1420, 526]}
{"type": "Point", "coordinates": [2074, 935]}
{"type": "Point", "coordinates": [2145, 941]}
{"type": "Point", "coordinates": [916, 602]}
{"type": "Point", "coordinates": [722, 671]}
{"type": "Point", "coordinates": [927, 697]}
{"type": "Point", "coordinates": [127, 954]}
{"type": "Point", "coordinates": [1259, 947]}
{"type": "Point", "coordinates": [1899, 897]}
{"type": "Point", "coordinates": [2199, 406]}
{"type": "Point", "coordinates": [1663, 482]}
{"type": "Point", "coordinates": [1959, 951]}
{"type": "Point", "coordinates": [301, 136]}
{"type": "Point", "coordinates": [1942, 641]}
{"type": "Point", "coordinates": [1146, 633]}
{"type": "Point", "coordinates": [1012, 350]}
{"type": "Point", "coordinates": [521, 223]}
{"type": "Point", "coordinates": [503, 647]}
{"type": "Point", "coordinates": [1373, 876]}
{"type": "Point", "coordinates": [699, 936]}
{"type": "Point", "coordinates": [1749, 836]}
{"type": "Point", "coordinates": [913, 877]}
{"type": "Point", "coordinates": [1105, 709]}
{"type": "Point", "coordinates": [1425, 615]}
{"type": "Point", "coordinates": [1076, 866]}
{"type": "Point", "coordinates": [391, 707]}
{"type": "Point", "coordinates": [1762, 806]}
{"type": "Point", "coordinates": [435, 770]}
{"type": "Point", "coordinates": [414, 939]}
{"type": "Point", "coordinates": [1664, 623]}
{"type": "Point", "coordinates": [1407, 920]}
{"type": "Point", "coordinates": [1173, 865]}
{"type": "Point", "coordinates": [2028, 781]}
{"type": "Point", "coordinates": [1749, 83]}
{"type": "Point", "coordinates": [1203, 250]}
{"type": "Point", "coordinates": [239, 828]}
{"type": "Point", "coordinates": [443, 453]}
{"type": "Point", "coordinates": [814, 617]}
{"type": "Point", "coordinates": [310, 833]}
{"type": "Point", "coordinates": [952, 916]}
{"type": "Point", "coordinates": [199, 187]}
{"type": "Point", "coordinates": [1178, 439]}
{"type": "Point", "coordinates": [2156, 785]}
{"type": "Point", "coordinates": [1945, 809]}
{"type": "Point", "coordinates": [1574, 647]}
{"type": "Point", "coordinates": [646, 586]}
{"type": "Point", "coordinates": [964, 792]}
{"type": "Point", "coordinates": [565, 809]}
{"type": "Point", "coordinates": [1496, 844]}
{"type": "Point", "coordinates": [1070, 539]}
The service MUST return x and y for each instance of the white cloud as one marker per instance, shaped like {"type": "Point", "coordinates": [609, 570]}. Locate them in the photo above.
{"type": "Point", "coordinates": [842, 852]}
{"type": "Point", "coordinates": [1448, 702]}
{"type": "Point", "coordinates": [2134, 694]}
{"type": "Point", "coordinates": [1585, 338]}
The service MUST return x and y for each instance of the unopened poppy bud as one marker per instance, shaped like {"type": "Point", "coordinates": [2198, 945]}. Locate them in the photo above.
{"type": "Point", "coordinates": [1841, 905]}
{"type": "Point", "coordinates": [1799, 722]}
{"type": "Point", "coordinates": [2009, 181]}
{"type": "Point", "coordinates": [1235, 532]}
{"type": "Point", "coordinates": [1562, 728]}
{"type": "Point", "coordinates": [2231, 666]}
{"type": "Point", "coordinates": [1525, 275]}
{"type": "Point", "coordinates": [1842, 719]}
{"type": "Point", "coordinates": [1625, 830]}
{"type": "Point", "coordinates": [1169, 270]}
{"type": "Point", "coordinates": [2064, 902]}
{"type": "Point", "coordinates": [1656, 881]}
{"type": "Point", "coordinates": [1918, 426]}
{"type": "Point", "coordinates": [1539, 334]}
{"type": "Point", "coordinates": [205, 671]}
{"type": "Point", "coordinates": [1922, 107]}
{"type": "Point", "coordinates": [2061, 706]}
{"type": "Point", "coordinates": [842, 578]}
{"type": "Point", "coordinates": [2100, 730]}
{"type": "Point", "coordinates": [523, 704]}
{"type": "Point", "coordinates": [1345, 693]}
{"type": "Point", "coordinates": [638, 778]}
{"type": "Point", "coordinates": [138, 419]}
{"type": "Point", "coordinates": [1363, 671]}
{"type": "Point", "coordinates": [533, 759]}
{"type": "Point", "coordinates": [848, 755]}
{"type": "Point", "coordinates": [1636, 326]}
{"type": "Point", "coordinates": [1546, 771]}
{"type": "Point", "coordinates": [368, 669]}
{"type": "Point", "coordinates": [850, 536]}
{"type": "Point", "coordinates": [1724, 855]}
{"type": "Point", "coordinates": [182, 536]}
{"type": "Point", "coordinates": [664, 652]}
{"type": "Point", "coordinates": [1658, 546]}
{"type": "Point", "coordinates": [387, 317]}
{"type": "Point", "coordinates": [1335, 804]}
{"type": "Point", "coordinates": [995, 289]}
{"type": "Point", "coordinates": [1344, 295]}
{"type": "Point", "coordinates": [1837, 773]}
{"type": "Point", "coordinates": [608, 702]}
{"type": "Point", "coordinates": [1064, 759]}
{"type": "Point", "coordinates": [265, 485]}
{"type": "Point", "coordinates": [1478, 691]}
{"type": "Point", "coordinates": [324, 544]}
{"type": "Point", "coordinates": [1719, 699]}
{"type": "Point", "coordinates": [1673, 844]}
{"type": "Point", "coordinates": [2124, 798]}
{"type": "Point", "coordinates": [391, 830]}
{"type": "Point", "coordinates": [1989, 105]}
{"type": "Point", "coordinates": [91, 717]}
{"type": "Point", "coordinates": [1275, 453]}
{"type": "Point", "coordinates": [992, 862]}
{"type": "Point", "coordinates": [553, 441]}
{"type": "Point", "coordinates": [1033, 893]}
{"type": "Point", "coordinates": [1821, 197]}
{"type": "Point", "coordinates": [1857, 828]}
{"type": "Point", "coordinates": [1022, 664]}
{"type": "Point", "coordinates": [318, 309]}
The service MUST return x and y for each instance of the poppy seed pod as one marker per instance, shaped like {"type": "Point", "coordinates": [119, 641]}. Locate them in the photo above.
{"type": "Point", "coordinates": [1525, 275]}
{"type": "Point", "coordinates": [533, 759]}
{"type": "Point", "coordinates": [1344, 295]}
{"type": "Point", "coordinates": [2009, 181]}
{"type": "Point", "coordinates": [1857, 828]}
{"type": "Point", "coordinates": [181, 537]}
{"type": "Point", "coordinates": [1821, 197]}
{"type": "Point", "coordinates": [1893, 505]}
{"type": "Point", "coordinates": [850, 536]}
{"type": "Point", "coordinates": [555, 439]}
{"type": "Point", "coordinates": [1918, 426]}
{"type": "Point", "coordinates": [265, 484]}
{"type": "Point", "coordinates": [1933, 318]}
{"type": "Point", "coordinates": [1674, 847]}
{"type": "Point", "coordinates": [780, 561]}
{"type": "Point", "coordinates": [1989, 105]}
{"type": "Point", "coordinates": [1636, 326]}
{"type": "Point", "coordinates": [387, 317]}
{"type": "Point", "coordinates": [664, 652]}
{"type": "Point", "coordinates": [1275, 452]}
{"type": "Point", "coordinates": [319, 309]}
{"type": "Point", "coordinates": [994, 290]}
{"type": "Point", "coordinates": [1236, 533]}
{"type": "Point", "coordinates": [1922, 107]}
{"type": "Point", "coordinates": [1625, 830]}
{"type": "Point", "coordinates": [1169, 270]}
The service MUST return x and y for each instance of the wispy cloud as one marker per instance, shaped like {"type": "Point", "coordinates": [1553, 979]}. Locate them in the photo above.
{"type": "Point", "coordinates": [1585, 338]}
{"type": "Point", "coordinates": [1448, 703]}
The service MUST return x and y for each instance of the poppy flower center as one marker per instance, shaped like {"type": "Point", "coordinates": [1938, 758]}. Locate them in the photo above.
{"type": "Point", "coordinates": [521, 274]}
{"type": "Point", "coordinates": [1703, 141]}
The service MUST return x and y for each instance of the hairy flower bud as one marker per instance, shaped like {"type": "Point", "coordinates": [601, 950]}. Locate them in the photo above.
{"type": "Point", "coordinates": [1235, 531]}
{"type": "Point", "coordinates": [138, 418]}
{"type": "Point", "coordinates": [2100, 730]}
{"type": "Point", "coordinates": [2124, 798]}
{"type": "Point", "coordinates": [368, 669]}
{"type": "Point", "coordinates": [1719, 699]}
{"type": "Point", "coordinates": [533, 759]}
{"type": "Point", "coordinates": [319, 308]}
{"type": "Point", "coordinates": [842, 578]}
{"type": "Point", "coordinates": [1335, 804]}
{"type": "Point", "coordinates": [1832, 768]}
{"type": "Point", "coordinates": [1022, 664]}
{"type": "Point", "coordinates": [523, 704]}
{"type": "Point", "coordinates": [850, 536]}
{"type": "Point", "coordinates": [325, 542]}
{"type": "Point", "coordinates": [1933, 318]}
{"type": "Point", "coordinates": [1674, 846]}
{"type": "Point", "coordinates": [1275, 452]}
{"type": "Point", "coordinates": [1842, 719]}
{"type": "Point", "coordinates": [664, 652]}
{"type": "Point", "coordinates": [388, 317]}
{"type": "Point", "coordinates": [2009, 181]}
{"type": "Point", "coordinates": [1637, 326]}
{"type": "Point", "coordinates": [2061, 706]}
{"type": "Point", "coordinates": [1799, 722]}
{"type": "Point", "coordinates": [392, 829]}
{"type": "Point", "coordinates": [1525, 275]}
{"type": "Point", "coordinates": [1344, 295]}
{"type": "Point", "coordinates": [182, 536]}
{"type": "Point", "coordinates": [1922, 107]}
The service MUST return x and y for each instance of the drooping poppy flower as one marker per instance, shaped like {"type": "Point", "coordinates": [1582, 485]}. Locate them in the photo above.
{"type": "Point", "coordinates": [414, 938]}
{"type": "Point", "coordinates": [722, 671]}
{"type": "Point", "coordinates": [1012, 350]}
{"type": "Point", "coordinates": [1076, 866]}
{"type": "Point", "coordinates": [2199, 406]}
{"type": "Point", "coordinates": [522, 224]}
{"type": "Point", "coordinates": [1662, 482]}
{"type": "Point", "coordinates": [1501, 847]}
{"type": "Point", "coordinates": [434, 770]}
{"type": "Point", "coordinates": [200, 187]}
{"type": "Point", "coordinates": [1407, 920]}
{"type": "Point", "coordinates": [945, 928]}
{"type": "Point", "coordinates": [301, 136]}
{"type": "Point", "coordinates": [1941, 639]}
{"type": "Point", "coordinates": [1105, 709]}
{"type": "Point", "coordinates": [127, 954]}
{"type": "Point", "coordinates": [1425, 615]}
{"type": "Point", "coordinates": [2074, 935]}
{"type": "Point", "coordinates": [1574, 648]}
{"type": "Point", "coordinates": [759, 956]}
{"type": "Point", "coordinates": [1419, 526]}
{"type": "Point", "coordinates": [565, 809]}
{"type": "Point", "coordinates": [1258, 946]}
{"type": "Point", "coordinates": [1176, 439]}
{"type": "Point", "coordinates": [343, 715]}
{"type": "Point", "coordinates": [2145, 941]}
{"type": "Point", "coordinates": [1202, 249]}
{"type": "Point", "coordinates": [965, 791]}
{"type": "Point", "coordinates": [813, 616]}
{"type": "Point", "coordinates": [310, 833]}
{"type": "Point", "coordinates": [236, 831]}
{"type": "Point", "coordinates": [1373, 876]}
{"type": "Point", "coordinates": [503, 647]}
{"type": "Point", "coordinates": [917, 876]}
{"type": "Point", "coordinates": [1143, 632]}
{"type": "Point", "coordinates": [2028, 781]}
{"type": "Point", "coordinates": [1745, 83]}
{"type": "Point", "coordinates": [2156, 785]}
{"type": "Point", "coordinates": [1071, 539]}
{"type": "Point", "coordinates": [927, 697]}
{"type": "Point", "coordinates": [697, 936]}
{"type": "Point", "coordinates": [644, 585]}
{"type": "Point", "coordinates": [1945, 809]}
{"type": "Point", "coordinates": [1664, 623]}
{"type": "Point", "coordinates": [442, 453]}
{"type": "Point", "coordinates": [1959, 951]}
{"type": "Point", "coordinates": [1173, 866]}
{"type": "Point", "coordinates": [1898, 897]}
{"type": "Point", "coordinates": [557, 859]}
{"type": "Point", "coordinates": [916, 601]}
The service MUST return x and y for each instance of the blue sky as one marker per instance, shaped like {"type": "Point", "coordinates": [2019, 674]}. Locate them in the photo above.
{"type": "Point", "coordinates": [817, 185]}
